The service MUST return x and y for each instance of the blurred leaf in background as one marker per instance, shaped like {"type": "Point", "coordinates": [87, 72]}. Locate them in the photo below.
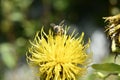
{"type": "Point", "coordinates": [8, 54]}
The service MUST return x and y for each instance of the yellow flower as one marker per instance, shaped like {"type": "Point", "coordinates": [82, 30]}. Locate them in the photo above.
{"type": "Point", "coordinates": [113, 26]}
{"type": "Point", "coordinates": [113, 30]}
{"type": "Point", "coordinates": [60, 57]}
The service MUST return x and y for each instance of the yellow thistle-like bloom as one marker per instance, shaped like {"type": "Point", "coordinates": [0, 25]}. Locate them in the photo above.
{"type": "Point", "coordinates": [113, 27]}
{"type": "Point", "coordinates": [113, 30]}
{"type": "Point", "coordinates": [60, 57]}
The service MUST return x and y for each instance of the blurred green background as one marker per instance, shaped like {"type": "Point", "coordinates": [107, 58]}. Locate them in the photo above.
{"type": "Point", "coordinates": [20, 19]}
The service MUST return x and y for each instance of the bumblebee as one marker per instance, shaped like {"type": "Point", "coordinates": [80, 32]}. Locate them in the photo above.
{"type": "Point", "coordinates": [58, 29]}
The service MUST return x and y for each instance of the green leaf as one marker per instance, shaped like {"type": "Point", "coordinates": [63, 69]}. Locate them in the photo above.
{"type": "Point", "coordinates": [7, 55]}
{"type": "Point", "coordinates": [109, 67]}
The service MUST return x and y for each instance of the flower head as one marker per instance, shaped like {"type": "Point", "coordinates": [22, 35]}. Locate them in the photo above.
{"type": "Point", "coordinates": [113, 30]}
{"type": "Point", "coordinates": [113, 27]}
{"type": "Point", "coordinates": [60, 57]}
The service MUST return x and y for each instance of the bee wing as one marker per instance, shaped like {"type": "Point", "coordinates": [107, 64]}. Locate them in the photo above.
{"type": "Point", "coordinates": [62, 23]}
{"type": "Point", "coordinates": [52, 24]}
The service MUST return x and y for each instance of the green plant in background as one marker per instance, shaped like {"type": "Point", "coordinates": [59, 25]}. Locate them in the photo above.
{"type": "Point", "coordinates": [58, 56]}
{"type": "Point", "coordinates": [15, 28]}
{"type": "Point", "coordinates": [113, 31]}
{"type": "Point", "coordinates": [13, 12]}
{"type": "Point", "coordinates": [12, 23]}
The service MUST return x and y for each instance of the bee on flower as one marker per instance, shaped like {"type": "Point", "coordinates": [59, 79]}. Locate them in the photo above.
{"type": "Point", "coordinates": [59, 57]}
{"type": "Point", "coordinates": [58, 29]}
